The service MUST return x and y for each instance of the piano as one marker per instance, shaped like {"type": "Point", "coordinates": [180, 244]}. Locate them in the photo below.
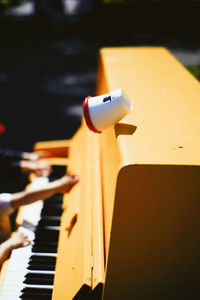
{"type": "Point", "coordinates": [130, 228]}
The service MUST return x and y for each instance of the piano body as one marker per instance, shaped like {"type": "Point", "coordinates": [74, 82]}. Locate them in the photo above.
{"type": "Point", "coordinates": [130, 228]}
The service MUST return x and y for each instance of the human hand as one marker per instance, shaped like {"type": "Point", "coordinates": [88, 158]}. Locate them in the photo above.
{"type": "Point", "coordinates": [42, 154]}
{"type": "Point", "coordinates": [40, 168]}
{"type": "Point", "coordinates": [30, 156]}
{"type": "Point", "coordinates": [18, 239]}
{"type": "Point", "coordinates": [33, 156]}
{"type": "Point", "coordinates": [65, 183]}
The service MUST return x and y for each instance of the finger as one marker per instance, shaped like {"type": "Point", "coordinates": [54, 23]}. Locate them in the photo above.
{"type": "Point", "coordinates": [26, 243]}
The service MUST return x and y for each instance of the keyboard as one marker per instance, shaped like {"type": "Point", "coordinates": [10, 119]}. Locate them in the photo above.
{"type": "Point", "coordinates": [30, 270]}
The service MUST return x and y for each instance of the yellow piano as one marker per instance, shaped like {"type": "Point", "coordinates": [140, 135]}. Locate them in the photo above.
{"type": "Point", "coordinates": [130, 229]}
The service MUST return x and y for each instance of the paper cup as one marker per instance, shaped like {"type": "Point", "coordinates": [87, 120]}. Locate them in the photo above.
{"type": "Point", "coordinates": [103, 111]}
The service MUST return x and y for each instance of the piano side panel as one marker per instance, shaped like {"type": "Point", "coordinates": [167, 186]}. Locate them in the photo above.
{"type": "Point", "coordinates": [73, 267]}
{"type": "Point", "coordinates": [109, 153]}
{"type": "Point", "coordinates": [154, 247]}
{"type": "Point", "coordinates": [97, 215]}
{"type": "Point", "coordinates": [110, 162]}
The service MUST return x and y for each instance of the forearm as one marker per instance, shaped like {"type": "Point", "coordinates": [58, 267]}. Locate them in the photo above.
{"type": "Point", "coordinates": [5, 250]}
{"type": "Point", "coordinates": [62, 185]}
{"type": "Point", "coordinates": [10, 154]}
{"type": "Point", "coordinates": [30, 196]}
{"type": "Point", "coordinates": [17, 239]}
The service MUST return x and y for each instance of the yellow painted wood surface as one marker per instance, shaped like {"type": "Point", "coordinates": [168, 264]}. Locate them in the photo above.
{"type": "Point", "coordinates": [57, 148]}
{"type": "Point", "coordinates": [81, 246]}
{"type": "Point", "coordinates": [166, 106]}
{"type": "Point", "coordinates": [150, 172]}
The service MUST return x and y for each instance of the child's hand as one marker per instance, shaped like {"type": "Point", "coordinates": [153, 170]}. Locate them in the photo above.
{"type": "Point", "coordinates": [40, 168]}
{"type": "Point", "coordinates": [65, 183]}
{"type": "Point", "coordinates": [18, 239]}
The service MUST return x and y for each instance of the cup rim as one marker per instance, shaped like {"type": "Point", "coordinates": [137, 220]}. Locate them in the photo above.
{"type": "Point", "coordinates": [87, 116]}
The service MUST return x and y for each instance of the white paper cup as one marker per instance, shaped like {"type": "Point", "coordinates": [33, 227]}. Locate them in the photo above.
{"type": "Point", "coordinates": [103, 111]}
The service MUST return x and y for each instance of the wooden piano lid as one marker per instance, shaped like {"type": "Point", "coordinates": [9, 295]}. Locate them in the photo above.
{"type": "Point", "coordinates": [151, 175]}
{"type": "Point", "coordinates": [166, 106]}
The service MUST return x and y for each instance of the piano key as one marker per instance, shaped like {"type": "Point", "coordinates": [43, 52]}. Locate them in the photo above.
{"type": "Point", "coordinates": [57, 198]}
{"type": "Point", "coordinates": [44, 259]}
{"type": "Point", "coordinates": [47, 230]}
{"type": "Point", "coordinates": [43, 297]}
{"type": "Point", "coordinates": [41, 267]}
{"type": "Point", "coordinates": [38, 275]}
{"type": "Point", "coordinates": [46, 220]}
{"type": "Point", "coordinates": [39, 262]}
{"type": "Point", "coordinates": [52, 204]}
{"type": "Point", "coordinates": [40, 242]}
{"type": "Point", "coordinates": [44, 249]}
{"type": "Point", "coordinates": [34, 278]}
{"type": "Point", "coordinates": [32, 212]}
{"type": "Point", "coordinates": [36, 291]}
{"type": "Point", "coordinates": [18, 269]}
{"type": "Point", "coordinates": [49, 221]}
{"type": "Point", "coordinates": [57, 172]}
{"type": "Point", "coordinates": [51, 212]}
{"type": "Point", "coordinates": [48, 242]}
{"type": "Point", "coordinates": [41, 281]}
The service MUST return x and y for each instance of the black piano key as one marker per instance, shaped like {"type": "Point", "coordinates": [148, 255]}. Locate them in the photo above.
{"type": "Point", "coordinates": [57, 198]}
{"type": "Point", "coordinates": [41, 262]}
{"type": "Point", "coordinates": [41, 227]}
{"type": "Point", "coordinates": [42, 242]}
{"type": "Point", "coordinates": [52, 204]}
{"type": "Point", "coordinates": [49, 221]}
{"type": "Point", "coordinates": [36, 291]}
{"type": "Point", "coordinates": [57, 172]}
{"type": "Point", "coordinates": [39, 275]}
{"type": "Point", "coordinates": [52, 211]}
{"type": "Point", "coordinates": [42, 267]}
{"type": "Point", "coordinates": [49, 226]}
{"type": "Point", "coordinates": [36, 249]}
{"type": "Point", "coordinates": [28, 297]}
{"type": "Point", "coordinates": [46, 231]}
{"type": "Point", "coordinates": [38, 281]}
{"type": "Point", "coordinates": [45, 259]}
{"type": "Point", "coordinates": [47, 242]}
{"type": "Point", "coordinates": [42, 239]}
{"type": "Point", "coordinates": [49, 211]}
{"type": "Point", "coordinates": [43, 279]}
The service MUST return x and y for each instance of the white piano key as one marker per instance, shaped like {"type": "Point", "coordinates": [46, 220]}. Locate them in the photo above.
{"type": "Point", "coordinates": [31, 212]}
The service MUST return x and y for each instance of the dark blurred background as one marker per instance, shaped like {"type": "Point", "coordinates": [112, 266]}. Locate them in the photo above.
{"type": "Point", "coordinates": [49, 56]}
